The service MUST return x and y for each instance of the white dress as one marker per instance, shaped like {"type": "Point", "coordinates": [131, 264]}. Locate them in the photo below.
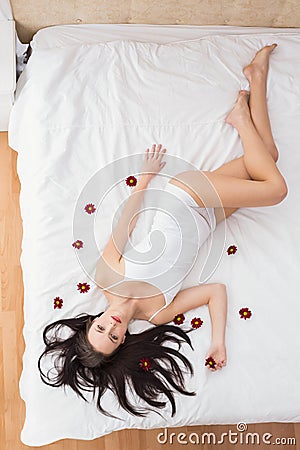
{"type": "Point", "coordinates": [167, 253]}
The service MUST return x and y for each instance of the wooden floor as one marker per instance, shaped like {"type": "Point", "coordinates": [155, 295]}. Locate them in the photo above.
{"type": "Point", "coordinates": [12, 408]}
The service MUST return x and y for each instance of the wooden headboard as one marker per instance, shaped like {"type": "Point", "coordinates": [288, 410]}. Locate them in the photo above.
{"type": "Point", "coordinates": [32, 15]}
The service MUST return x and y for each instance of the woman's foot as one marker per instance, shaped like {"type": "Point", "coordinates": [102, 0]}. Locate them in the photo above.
{"type": "Point", "coordinates": [260, 63]}
{"type": "Point", "coordinates": [241, 112]}
{"type": "Point", "coordinates": [218, 353]}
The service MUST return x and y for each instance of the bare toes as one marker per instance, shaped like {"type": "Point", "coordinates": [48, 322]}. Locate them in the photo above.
{"type": "Point", "coordinates": [273, 46]}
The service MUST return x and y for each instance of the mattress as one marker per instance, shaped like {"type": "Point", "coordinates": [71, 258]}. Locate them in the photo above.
{"type": "Point", "coordinates": [90, 101]}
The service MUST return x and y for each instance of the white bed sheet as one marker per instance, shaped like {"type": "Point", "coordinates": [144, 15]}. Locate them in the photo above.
{"type": "Point", "coordinates": [80, 107]}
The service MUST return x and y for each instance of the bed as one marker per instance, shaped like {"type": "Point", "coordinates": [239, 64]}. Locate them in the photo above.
{"type": "Point", "coordinates": [94, 94]}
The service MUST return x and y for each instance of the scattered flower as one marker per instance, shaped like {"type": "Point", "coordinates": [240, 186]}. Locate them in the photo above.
{"type": "Point", "coordinates": [58, 302]}
{"type": "Point", "coordinates": [232, 250]}
{"type": "Point", "coordinates": [77, 244]}
{"type": "Point", "coordinates": [145, 364]}
{"type": "Point", "coordinates": [179, 319]}
{"type": "Point", "coordinates": [131, 181]}
{"type": "Point", "coordinates": [210, 362]}
{"type": "Point", "coordinates": [83, 287]}
{"type": "Point", "coordinates": [245, 313]}
{"type": "Point", "coordinates": [196, 322]}
{"type": "Point", "coordinates": [90, 208]}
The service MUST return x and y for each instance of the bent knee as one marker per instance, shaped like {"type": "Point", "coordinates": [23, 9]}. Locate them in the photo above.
{"type": "Point", "coordinates": [283, 193]}
{"type": "Point", "coordinates": [283, 189]}
{"type": "Point", "coordinates": [280, 193]}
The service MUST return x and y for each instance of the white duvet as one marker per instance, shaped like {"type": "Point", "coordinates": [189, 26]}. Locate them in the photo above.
{"type": "Point", "coordinates": [81, 106]}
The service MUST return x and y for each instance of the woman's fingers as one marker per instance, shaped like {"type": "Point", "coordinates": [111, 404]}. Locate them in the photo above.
{"type": "Point", "coordinates": [156, 152]}
{"type": "Point", "coordinates": [161, 154]}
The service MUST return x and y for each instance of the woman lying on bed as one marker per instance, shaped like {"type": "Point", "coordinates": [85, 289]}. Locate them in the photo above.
{"type": "Point", "coordinates": [101, 353]}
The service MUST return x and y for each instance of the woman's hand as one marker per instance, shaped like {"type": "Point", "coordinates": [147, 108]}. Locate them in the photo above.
{"type": "Point", "coordinates": [152, 162]}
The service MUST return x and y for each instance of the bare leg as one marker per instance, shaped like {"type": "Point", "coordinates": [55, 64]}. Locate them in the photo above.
{"type": "Point", "coordinates": [267, 186]}
{"type": "Point", "coordinates": [256, 72]}
{"type": "Point", "coordinates": [262, 167]}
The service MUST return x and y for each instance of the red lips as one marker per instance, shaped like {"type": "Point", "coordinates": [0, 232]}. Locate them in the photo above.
{"type": "Point", "coordinates": [116, 318]}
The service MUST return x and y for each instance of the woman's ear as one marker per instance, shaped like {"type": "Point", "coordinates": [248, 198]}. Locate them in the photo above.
{"type": "Point", "coordinates": [123, 339]}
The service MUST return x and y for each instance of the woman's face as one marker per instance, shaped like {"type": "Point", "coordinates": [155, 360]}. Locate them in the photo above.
{"type": "Point", "coordinates": [106, 333]}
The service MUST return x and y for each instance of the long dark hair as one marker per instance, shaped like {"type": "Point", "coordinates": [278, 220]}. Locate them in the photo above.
{"type": "Point", "coordinates": [81, 367]}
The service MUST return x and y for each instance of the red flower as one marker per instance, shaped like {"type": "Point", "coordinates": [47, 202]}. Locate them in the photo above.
{"type": "Point", "coordinates": [131, 181]}
{"type": "Point", "coordinates": [145, 364]}
{"type": "Point", "coordinates": [77, 244]}
{"type": "Point", "coordinates": [58, 302]}
{"type": "Point", "coordinates": [179, 319]}
{"type": "Point", "coordinates": [196, 322]}
{"type": "Point", "coordinates": [83, 287]}
{"type": "Point", "coordinates": [245, 313]}
{"type": "Point", "coordinates": [90, 208]}
{"type": "Point", "coordinates": [232, 250]}
{"type": "Point", "coordinates": [210, 362]}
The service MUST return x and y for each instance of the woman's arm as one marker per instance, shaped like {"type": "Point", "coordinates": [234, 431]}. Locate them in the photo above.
{"type": "Point", "coordinates": [127, 221]}
{"type": "Point", "coordinates": [214, 295]}
{"type": "Point", "coordinates": [218, 313]}
{"type": "Point", "coordinates": [114, 249]}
